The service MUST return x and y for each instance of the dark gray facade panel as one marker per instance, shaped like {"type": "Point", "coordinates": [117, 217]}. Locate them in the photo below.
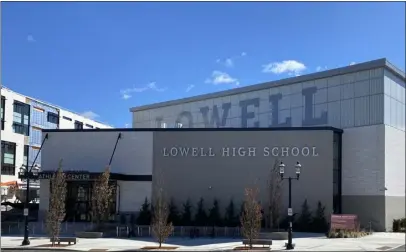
{"type": "Point", "coordinates": [189, 175]}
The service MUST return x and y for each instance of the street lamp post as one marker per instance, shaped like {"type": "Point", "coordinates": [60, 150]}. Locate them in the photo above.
{"type": "Point", "coordinates": [27, 174]}
{"type": "Point", "coordinates": [298, 166]}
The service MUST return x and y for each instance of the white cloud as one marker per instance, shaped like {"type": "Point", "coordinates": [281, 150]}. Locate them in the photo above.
{"type": "Point", "coordinates": [127, 125]}
{"type": "Point", "coordinates": [90, 114]}
{"type": "Point", "coordinates": [287, 66]}
{"type": "Point", "coordinates": [127, 93]}
{"type": "Point", "coordinates": [320, 68]}
{"type": "Point", "coordinates": [229, 62]}
{"type": "Point", "coordinates": [218, 77]}
{"type": "Point", "coordinates": [30, 38]}
{"type": "Point", "coordinates": [352, 63]}
{"type": "Point", "coordinates": [190, 87]}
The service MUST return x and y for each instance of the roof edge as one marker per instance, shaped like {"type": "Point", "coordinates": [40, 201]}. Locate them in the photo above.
{"type": "Point", "coordinates": [383, 62]}
{"type": "Point", "coordinates": [320, 128]}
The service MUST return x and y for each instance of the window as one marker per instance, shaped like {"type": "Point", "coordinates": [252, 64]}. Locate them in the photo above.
{"type": "Point", "coordinates": [89, 126]}
{"type": "Point", "coordinates": [53, 118]}
{"type": "Point", "coordinates": [3, 105]}
{"type": "Point", "coordinates": [21, 118]}
{"type": "Point", "coordinates": [8, 159]}
{"type": "Point", "coordinates": [78, 125]}
{"type": "Point", "coordinates": [26, 150]}
{"type": "Point", "coordinates": [67, 118]}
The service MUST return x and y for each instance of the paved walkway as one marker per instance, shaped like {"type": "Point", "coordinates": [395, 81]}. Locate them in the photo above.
{"type": "Point", "coordinates": [304, 242]}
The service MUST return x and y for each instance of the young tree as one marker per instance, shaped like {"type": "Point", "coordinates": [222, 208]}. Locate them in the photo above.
{"type": "Point", "coordinates": [102, 197]}
{"type": "Point", "coordinates": [319, 222]}
{"type": "Point", "coordinates": [214, 214]}
{"type": "Point", "coordinates": [161, 228]}
{"type": "Point", "coordinates": [305, 218]}
{"type": "Point", "coordinates": [230, 217]}
{"type": "Point", "coordinates": [56, 212]}
{"type": "Point", "coordinates": [201, 215]}
{"type": "Point", "coordinates": [144, 216]}
{"type": "Point", "coordinates": [187, 214]}
{"type": "Point", "coordinates": [251, 216]}
{"type": "Point", "coordinates": [174, 216]}
{"type": "Point", "coordinates": [275, 195]}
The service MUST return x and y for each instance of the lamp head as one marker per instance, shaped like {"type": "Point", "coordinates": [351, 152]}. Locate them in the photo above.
{"type": "Point", "coordinates": [281, 169]}
{"type": "Point", "coordinates": [298, 168]}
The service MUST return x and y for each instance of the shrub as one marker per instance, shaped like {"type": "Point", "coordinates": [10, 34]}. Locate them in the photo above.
{"type": "Point", "coordinates": [230, 218]}
{"type": "Point", "coordinates": [214, 215]}
{"type": "Point", "coordinates": [186, 217]}
{"type": "Point", "coordinates": [305, 219]}
{"type": "Point", "coordinates": [201, 215]}
{"type": "Point", "coordinates": [144, 216]}
{"type": "Point", "coordinates": [319, 222]}
{"type": "Point", "coordinates": [174, 216]}
{"type": "Point", "coordinates": [399, 225]}
{"type": "Point", "coordinates": [346, 234]}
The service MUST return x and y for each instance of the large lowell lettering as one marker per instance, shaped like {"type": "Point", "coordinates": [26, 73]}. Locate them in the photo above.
{"type": "Point", "coordinates": [309, 118]}
{"type": "Point", "coordinates": [185, 115]}
{"type": "Point", "coordinates": [245, 115]}
{"type": "Point", "coordinates": [215, 116]}
{"type": "Point", "coordinates": [274, 100]}
{"type": "Point", "coordinates": [159, 121]}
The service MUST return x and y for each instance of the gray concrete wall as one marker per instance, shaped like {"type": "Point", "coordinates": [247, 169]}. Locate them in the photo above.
{"type": "Point", "coordinates": [225, 177]}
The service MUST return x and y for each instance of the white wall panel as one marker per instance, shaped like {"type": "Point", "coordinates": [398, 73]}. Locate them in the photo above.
{"type": "Point", "coordinates": [362, 75]}
{"type": "Point", "coordinates": [347, 91]}
{"type": "Point", "coordinates": [334, 93]}
{"type": "Point", "coordinates": [296, 100]}
{"type": "Point", "coordinates": [361, 88]}
{"type": "Point", "coordinates": [347, 113]}
{"type": "Point", "coordinates": [394, 161]}
{"type": "Point", "coordinates": [376, 106]}
{"type": "Point", "coordinates": [347, 78]}
{"type": "Point", "coordinates": [376, 86]}
{"type": "Point", "coordinates": [334, 115]}
{"type": "Point", "coordinates": [363, 163]}
{"type": "Point", "coordinates": [334, 81]}
{"type": "Point", "coordinates": [361, 115]}
{"type": "Point", "coordinates": [376, 73]}
{"type": "Point", "coordinates": [320, 96]}
{"type": "Point", "coordinates": [93, 157]}
{"type": "Point", "coordinates": [297, 116]}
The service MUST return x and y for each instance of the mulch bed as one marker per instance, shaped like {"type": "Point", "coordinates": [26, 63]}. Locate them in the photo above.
{"type": "Point", "coordinates": [157, 247]}
{"type": "Point", "coordinates": [253, 248]}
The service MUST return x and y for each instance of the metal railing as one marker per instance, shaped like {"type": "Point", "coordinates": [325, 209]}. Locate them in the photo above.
{"type": "Point", "coordinates": [70, 228]}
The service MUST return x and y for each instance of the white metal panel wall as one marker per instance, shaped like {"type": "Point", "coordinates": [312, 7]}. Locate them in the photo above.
{"type": "Point", "coordinates": [91, 151]}
{"type": "Point", "coordinates": [343, 101]}
{"type": "Point", "coordinates": [394, 161]}
{"type": "Point", "coordinates": [363, 164]}
{"type": "Point", "coordinates": [394, 91]}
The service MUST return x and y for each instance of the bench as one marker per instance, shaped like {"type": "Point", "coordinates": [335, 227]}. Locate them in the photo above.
{"type": "Point", "coordinates": [69, 240]}
{"type": "Point", "coordinates": [262, 242]}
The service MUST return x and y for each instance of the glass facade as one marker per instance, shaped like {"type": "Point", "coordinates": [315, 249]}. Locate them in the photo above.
{"type": "Point", "coordinates": [79, 201]}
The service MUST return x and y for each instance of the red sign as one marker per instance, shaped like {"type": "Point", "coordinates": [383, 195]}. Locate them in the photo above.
{"type": "Point", "coordinates": [344, 222]}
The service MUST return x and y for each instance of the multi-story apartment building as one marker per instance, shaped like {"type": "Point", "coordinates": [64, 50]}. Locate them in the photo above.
{"type": "Point", "coordinates": [22, 120]}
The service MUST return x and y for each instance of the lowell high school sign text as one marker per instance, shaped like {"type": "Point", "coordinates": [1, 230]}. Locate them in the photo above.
{"type": "Point", "coordinates": [240, 152]}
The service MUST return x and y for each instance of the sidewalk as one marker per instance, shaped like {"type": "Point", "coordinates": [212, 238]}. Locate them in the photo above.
{"type": "Point", "coordinates": [304, 242]}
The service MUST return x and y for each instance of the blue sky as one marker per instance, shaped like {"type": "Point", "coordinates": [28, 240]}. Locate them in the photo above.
{"type": "Point", "coordinates": [103, 58]}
